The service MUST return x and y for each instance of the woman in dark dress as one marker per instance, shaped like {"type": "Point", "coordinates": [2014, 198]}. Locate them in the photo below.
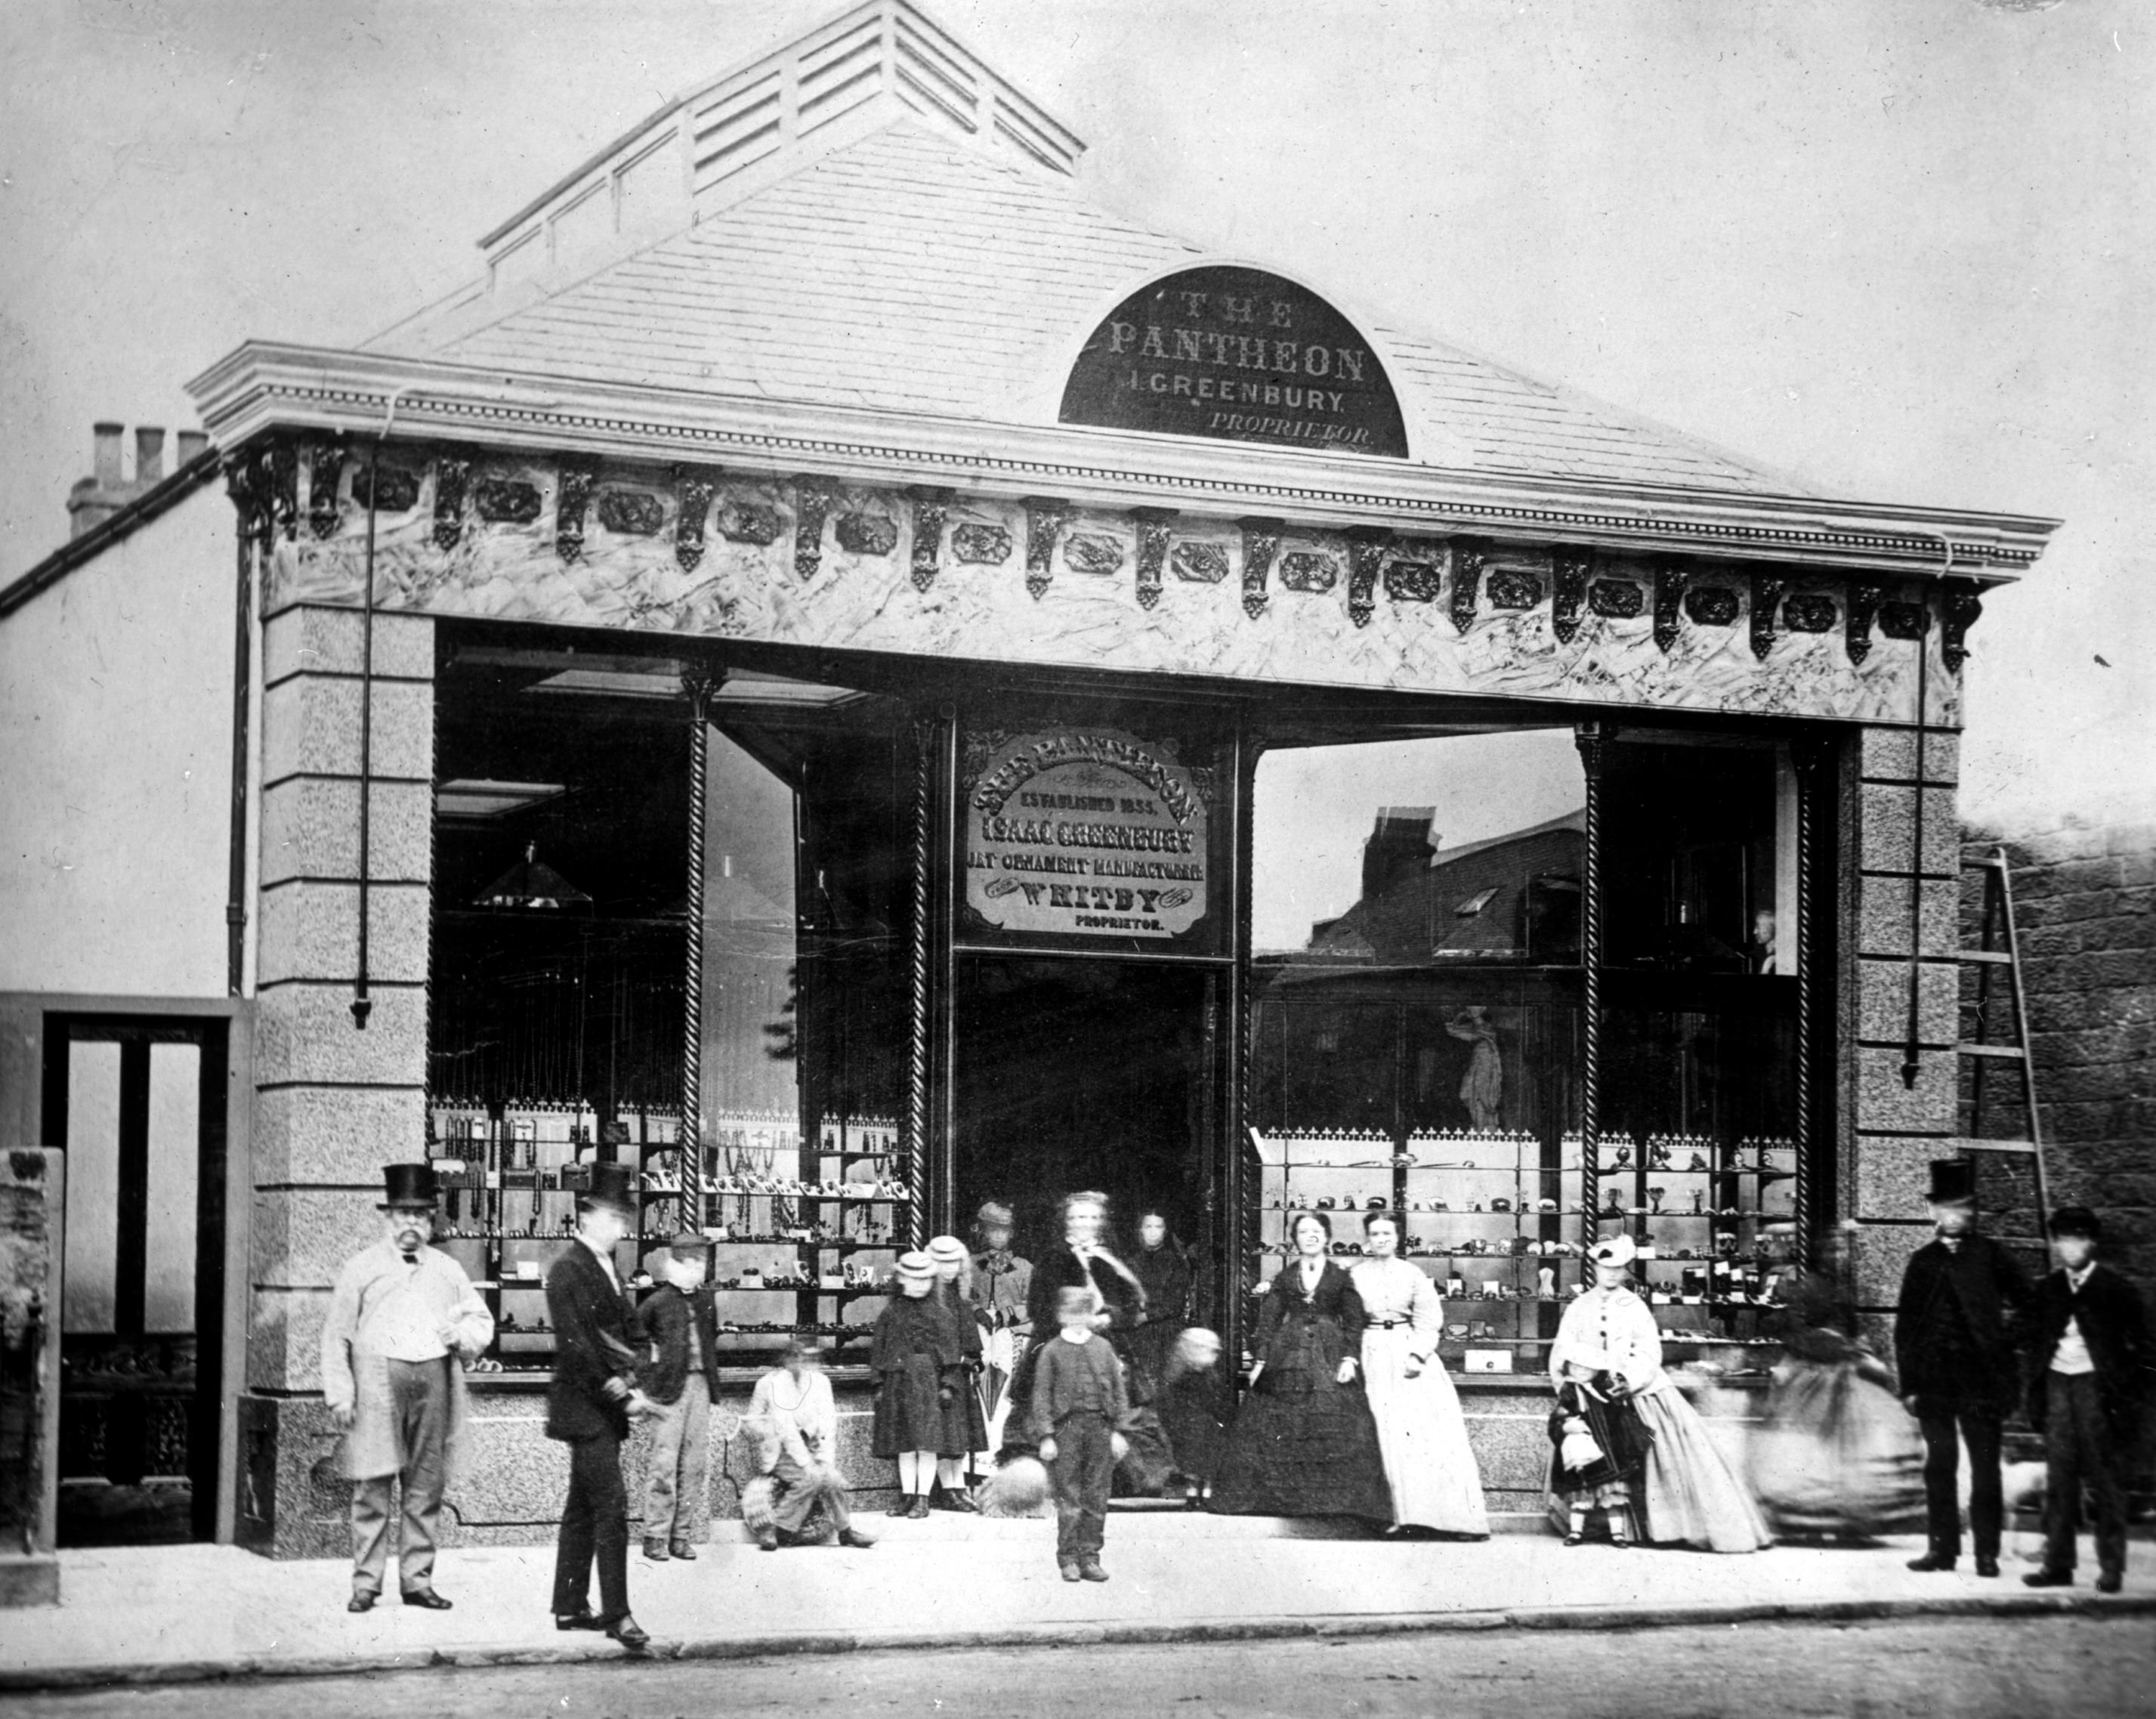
{"type": "Point", "coordinates": [1304, 1443]}
{"type": "Point", "coordinates": [1163, 1271]}
{"type": "Point", "coordinates": [1082, 1262]}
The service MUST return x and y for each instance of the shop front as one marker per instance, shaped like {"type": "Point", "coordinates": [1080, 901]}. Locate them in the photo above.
{"type": "Point", "coordinates": [1188, 760]}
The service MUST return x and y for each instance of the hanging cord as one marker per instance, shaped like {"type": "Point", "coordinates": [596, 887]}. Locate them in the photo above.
{"type": "Point", "coordinates": [363, 1005]}
{"type": "Point", "coordinates": [1909, 1050]}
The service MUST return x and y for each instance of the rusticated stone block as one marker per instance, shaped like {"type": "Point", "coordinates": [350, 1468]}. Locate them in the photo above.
{"type": "Point", "coordinates": [1886, 818]}
{"type": "Point", "coordinates": [1883, 1010]}
{"type": "Point", "coordinates": [1879, 1253]}
{"type": "Point", "coordinates": [284, 1338]}
{"type": "Point", "coordinates": [1882, 916]}
{"type": "Point", "coordinates": [300, 1238]}
{"type": "Point", "coordinates": [310, 930]}
{"type": "Point", "coordinates": [313, 640]}
{"type": "Point", "coordinates": [292, 1502]}
{"type": "Point", "coordinates": [1893, 1175]}
{"type": "Point", "coordinates": [1885, 1105]}
{"type": "Point", "coordinates": [304, 1034]}
{"type": "Point", "coordinates": [311, 829]}
{"type": "Point", "coordinates": [1890, 755]}
{"type": "Point", "coordinates": [311, 728]}
{"type": "Point", "coordinates": [338, 1135]}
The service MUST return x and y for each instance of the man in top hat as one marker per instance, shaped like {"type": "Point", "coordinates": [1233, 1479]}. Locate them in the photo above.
{"type": "Point", "coordinates": [2090, 1362]}
{"type": "Point", "coordinates": [403, 1319]}
{"type": "Point", "coordinates": [678, 1367]}
{"type": "Point", "coordinates": [589, 1406]}
{"type": "Point", "coordinates": [1962, 1295]}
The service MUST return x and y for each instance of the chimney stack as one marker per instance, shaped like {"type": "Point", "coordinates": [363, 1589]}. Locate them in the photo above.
{"type": "Point", "coordinates": [149, 457]}
{"type": "Point", "coordinates": [105, 468]}
{"type": "Point", "coordinates": [191, 444]}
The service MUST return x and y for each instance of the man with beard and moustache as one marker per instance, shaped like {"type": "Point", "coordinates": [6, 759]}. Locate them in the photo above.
{"type": "Point", "coordinates": [1962, 1297]}
{"type": "Point", "coordinates": [403, 1321]}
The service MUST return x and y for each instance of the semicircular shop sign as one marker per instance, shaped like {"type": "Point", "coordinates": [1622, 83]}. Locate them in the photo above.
{"type": "Point", "coordinates": [1087, 832]}
{"type": "Point", "coordinates": [1238, 355]}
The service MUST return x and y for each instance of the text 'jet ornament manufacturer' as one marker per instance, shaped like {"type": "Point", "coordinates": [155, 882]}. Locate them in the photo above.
{"type": "Point", "coordinates": [1237, 355]}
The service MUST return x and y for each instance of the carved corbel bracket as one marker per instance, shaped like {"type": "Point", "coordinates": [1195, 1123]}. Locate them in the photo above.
{"type": "Point", "coordinates": [1865, 597]}
{"type": "Point", "coordinates": [813, 498]}
{"type": "Point", "coordinates": [572, 494]}
{"type": "Point", "coordinates": [694, 486]}
{"type": "Point", "coordinates": [1960, 604]}
{"type": "Point", "coordinates": [1045, 517]}
{"type": "Point", "coordinates": [1262, 541]}
{"type": "Point", "coordinates": [1571, 567]}
{"type": "Point", "coordinates": [451, 473]}
{"type": "Point", "coordinates": [1592, 740]}
{"type": "Point", "coordinates": [1156, 527]}
{"type": "Point", "coordinates": [931, 508]}
{"type": "Point", "coordinates": [1469, 556]}
{"type": "Point", "coordinates": [1767, 590]}
{"type": "Point", "coordinates": [263, 484]}
{"type": "Point", "coordinates": [1366, 554]}
{"type": "Point", "coordinates": [1671, 582]}
{"type": "Point", "coordinates": [325, 472]}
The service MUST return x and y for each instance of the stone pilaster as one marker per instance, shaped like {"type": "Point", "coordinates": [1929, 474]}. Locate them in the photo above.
{"type": "Point", "coordinates": [333, 1103]}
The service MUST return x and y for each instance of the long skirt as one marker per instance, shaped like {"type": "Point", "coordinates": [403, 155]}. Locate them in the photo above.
{"type": "Point", "coordinates": [1422, 1437]}
{"type": "Point", "coordinates": [1303, 1446]}
{"type": "Point", "coordinates": [1687, 1494]}
{"type": "Point", "coordinates": [1839, 1454]}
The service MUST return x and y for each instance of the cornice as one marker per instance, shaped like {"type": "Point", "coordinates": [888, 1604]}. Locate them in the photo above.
{"type": "Point", "coordinates": [264, 386]}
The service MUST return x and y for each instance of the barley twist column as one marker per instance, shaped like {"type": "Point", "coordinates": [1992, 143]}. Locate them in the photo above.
{"type": "Point", "coordinates": [917, 1114]}
{"type": "Point", "coordinates": [699, 687]}
{"type": "Point", "coordinates": [1592, 740]}
{"type": "Point", "coordinates": [1810, 760]}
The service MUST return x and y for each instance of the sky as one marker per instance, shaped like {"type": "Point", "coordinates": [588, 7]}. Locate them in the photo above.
{"type": "Point", "coordinates": [1901, 251]}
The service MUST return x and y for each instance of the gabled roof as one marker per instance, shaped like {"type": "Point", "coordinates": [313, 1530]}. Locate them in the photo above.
{"type": "Point", "coordinates": [894, 260]}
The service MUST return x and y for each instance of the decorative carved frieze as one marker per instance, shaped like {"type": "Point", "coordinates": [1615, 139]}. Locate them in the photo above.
{"type": "Point", "coordinates": [1766, 592]}
{"type": "Point", "coordinates": [931, 508]}
{"type": "Point", "coordinates": [1570, 568]}
{"type": "Point", "coordinates": [1366, 554]}
{"type": "Point", "coordinates": [1200, 564]}
{"type": "Point", "coordinates": [1616, 598]}
{"type": "Point", "coordinates": [1045, 517]}
{"type": "Point", "coordinates": [395, 488]}
{"type": "Point", "coordinates": [868, 533]}
{"type": "Point", "coordinates": [693, 490]}
{"type": "Point", "coordinates": [1156, 526]}
{"type": "Point", "coordinates": [631, 513]}
{"type": "Point", "coordinates": [1670, 579]}
{"type": "Point", "coordinates": [1092, 552]}
{"type": "Point", "coordinates": [572, 495]}
{"type": "Point", "coordinates": [1809, 612]}
{"type": "Point", "coordinates": [324, 470]}
{"type": "Point", "coordinates": [452, 473]}
{"type": "Point", "coordinates": [980, 545]}
{"type": "Point", "coordinates": [1469, 558]}
{"type": "Point", "coordinates": [506, 501]}
{"type": "Point", "coordinates": [1514, 588]}
{"type": "Point", "coordinates": [812, 502]}
{"type": "Point", "coordinates": [1960, 604]}
{"type": "Point", "coordinates": [1712, 605]}
{"type": "Point", "coordinates": [750, 522]}
{"type": "Point", "coordinates": [1309, 571]}
{"type": "Point", "coordinates": [1864, 596]}
{"type": "Point", "coordinates": [1905, 621]}
{"type": "Point", "coordinates": [1262, 541]}
{"type": "Point", "coordinates": [1413, 581]}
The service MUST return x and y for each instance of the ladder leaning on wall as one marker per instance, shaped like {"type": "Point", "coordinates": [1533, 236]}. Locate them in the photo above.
{"type": "Point", "coordinates": [1999, 951]}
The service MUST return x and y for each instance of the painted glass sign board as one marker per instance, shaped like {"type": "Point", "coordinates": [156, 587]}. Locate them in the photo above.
{"type": "Point", "coordinates": [1237, 355]}
{"type": "Point", "coordinates": [1089, 832]}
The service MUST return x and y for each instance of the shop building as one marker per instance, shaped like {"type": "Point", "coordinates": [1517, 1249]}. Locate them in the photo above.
{"type": "Point", "coordinates": [843, 674]}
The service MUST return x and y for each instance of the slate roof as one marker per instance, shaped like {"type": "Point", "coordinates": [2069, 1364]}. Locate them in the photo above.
{"type": "Point", "coordinates": [909, 273]}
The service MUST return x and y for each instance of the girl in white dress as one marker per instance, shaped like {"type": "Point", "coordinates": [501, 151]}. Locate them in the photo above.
{"type": "Point", "coordinates": [1421, 1432]}
{"type": "Point", "coordinates": [1687, 1494]}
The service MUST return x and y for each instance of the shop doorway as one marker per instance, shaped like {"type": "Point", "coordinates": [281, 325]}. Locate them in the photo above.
{"type": "Point", "coordinates": [138, 1104]}
{"type": "Point", "coordinates": [1088, 1073]}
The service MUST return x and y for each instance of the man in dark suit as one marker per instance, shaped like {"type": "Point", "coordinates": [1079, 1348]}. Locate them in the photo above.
{"type": "Point", "coordinates": [2090, 1361]}
{"type": "Point", "coordinates": [1962, 1297]}
{"type": "Point", "coordinates": [589, 1406]}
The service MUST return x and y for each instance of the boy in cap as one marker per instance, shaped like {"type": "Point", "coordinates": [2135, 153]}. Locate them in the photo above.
{"type": "Point", "coordinates": [2090, 1362]}
{"type": "Point", "coordinates": [678, 1370]}
{"type": "Point", "coordinates": [1079, 1406]}
{"type": "Point", "coordinates": [1954, 1347]}
{"type": "Point", "coordinates": [403, 1321]}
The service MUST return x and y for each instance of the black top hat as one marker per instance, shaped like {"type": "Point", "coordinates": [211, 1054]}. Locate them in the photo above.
{"type": "Point", "coordinates": [408, 1185]}
{"type": "Point", "coordinates": [1953, 1182]}
{"type": "Point", "coordinates": [2077, 1221]}
{"type": "Point", "coordinates": [611, 1185]}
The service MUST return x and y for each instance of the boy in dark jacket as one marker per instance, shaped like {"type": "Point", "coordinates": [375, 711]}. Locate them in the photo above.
{"type": "Point", "coordinates": [678, 1371]}
{"type": "Point", "coordinates": [2089, 1365]}
{"type": "Point", "coordinates": [1079, 1405]}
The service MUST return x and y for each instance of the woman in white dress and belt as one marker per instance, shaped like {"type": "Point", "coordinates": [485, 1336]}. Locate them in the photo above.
{"type": "Point", "coordinates": [1422, 1435]}
{"type": "Point", "coordinates": [1688, 1495]}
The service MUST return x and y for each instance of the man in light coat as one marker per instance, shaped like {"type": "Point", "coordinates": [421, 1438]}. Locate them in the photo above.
{"type": "Point", "coordinates": [403, 1322]}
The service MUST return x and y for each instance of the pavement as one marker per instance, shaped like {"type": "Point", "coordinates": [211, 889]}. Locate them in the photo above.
{"type": "Point", "coordinates": [178, 1614]}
